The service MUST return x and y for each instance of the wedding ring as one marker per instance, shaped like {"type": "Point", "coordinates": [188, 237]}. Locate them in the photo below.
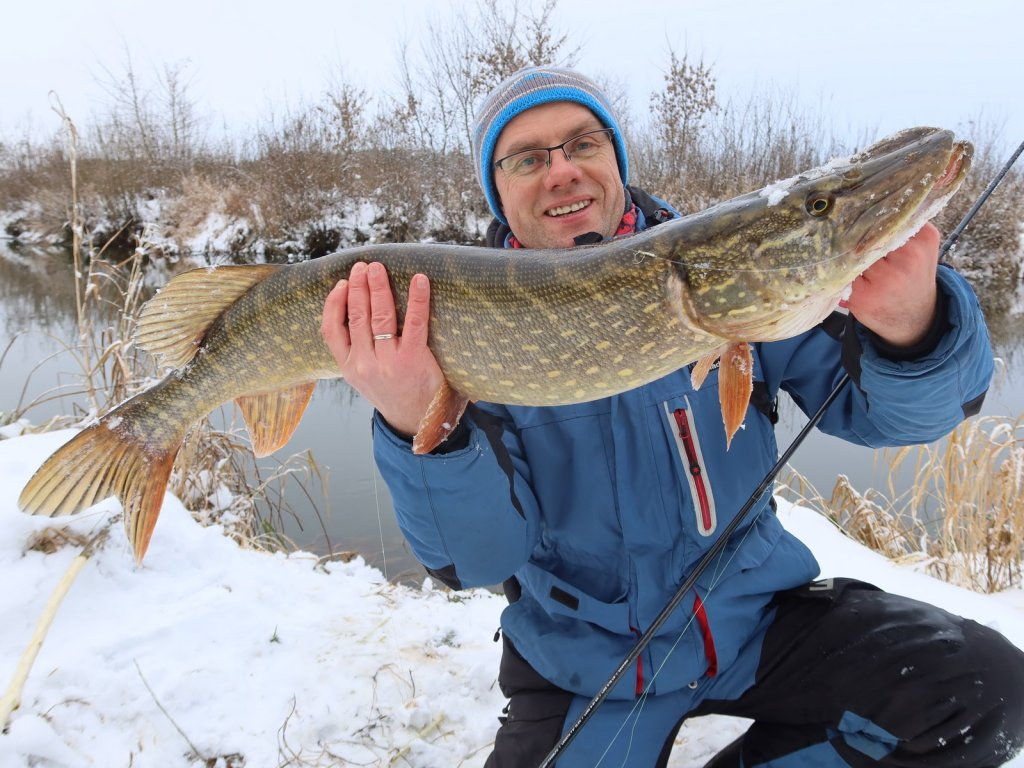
{"type": "Point", "coordinates": [383, 336]}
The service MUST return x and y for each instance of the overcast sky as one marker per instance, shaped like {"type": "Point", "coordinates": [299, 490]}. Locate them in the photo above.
{"type": "Point", "coordinates": [869, 65]}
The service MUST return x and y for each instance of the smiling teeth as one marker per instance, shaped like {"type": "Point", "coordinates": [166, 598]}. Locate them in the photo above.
{"type": "Point", "coordinates": [568, 208]}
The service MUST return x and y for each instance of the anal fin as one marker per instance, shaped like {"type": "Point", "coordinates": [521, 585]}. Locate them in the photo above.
{"type": "Point", "coordinates": [271, 417]}
{"type": "Point", "coordinates": [440, 420]}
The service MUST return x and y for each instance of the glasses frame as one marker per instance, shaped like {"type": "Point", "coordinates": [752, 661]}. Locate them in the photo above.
{"type": "Point", "coordinates": [609, 132]}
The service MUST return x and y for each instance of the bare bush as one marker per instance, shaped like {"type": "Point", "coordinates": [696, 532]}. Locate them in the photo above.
{"type": "Point", "coordinates": [989, 251]}
{"type": "Point", "coordinates": [303, 165]}
{"type": "Point", "coordinates": [460, 60]}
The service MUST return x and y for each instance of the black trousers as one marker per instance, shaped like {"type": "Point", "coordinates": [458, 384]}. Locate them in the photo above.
{"type": "Point", "coordinates": [931, 689]}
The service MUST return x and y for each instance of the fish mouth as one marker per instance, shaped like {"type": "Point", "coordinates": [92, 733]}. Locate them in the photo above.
{"type": "Point", "coordinates": [955, 170]}
{"type": "Point", "coordinates": [905, 180]}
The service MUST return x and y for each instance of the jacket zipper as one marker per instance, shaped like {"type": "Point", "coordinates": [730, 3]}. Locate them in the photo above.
{"type": "Point", "coordinates": [639, 666]}
{"type": "Point", "coordinates": [705, 631]}
{"type": "Point", "coordinates": [688, 445]}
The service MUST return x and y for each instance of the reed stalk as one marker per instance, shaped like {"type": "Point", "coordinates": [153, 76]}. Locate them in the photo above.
{"type": "Point", "coordinates": [962, 517]}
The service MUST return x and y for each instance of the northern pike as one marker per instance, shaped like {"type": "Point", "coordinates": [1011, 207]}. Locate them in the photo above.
{"type": "Point", "coordinates": [533, 327]}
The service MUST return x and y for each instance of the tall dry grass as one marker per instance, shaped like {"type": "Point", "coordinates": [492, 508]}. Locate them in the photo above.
{"type": "Point", "coordinates": [961, 519]}
{"type": "Point", "coordinates": [216, 475]}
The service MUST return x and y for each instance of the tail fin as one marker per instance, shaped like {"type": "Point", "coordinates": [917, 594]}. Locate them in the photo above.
{"type": "Point", "coordinates": [105, 460]}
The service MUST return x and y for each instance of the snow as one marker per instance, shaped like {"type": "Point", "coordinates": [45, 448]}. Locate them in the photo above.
{"type": "Point", "coordinates": [213, 654]}
{"type": "Point", "coordinates": [776, 191]}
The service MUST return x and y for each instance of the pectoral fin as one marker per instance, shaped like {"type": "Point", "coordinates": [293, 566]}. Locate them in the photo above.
{"type": "Point", "coordinates": [271, 417]}
{"type": "Point", "coordinates": [703, 367]}
{"type": "Point", "coordinates": [735, 383]}
{"type": "Point", "coordinates": [440, 420]}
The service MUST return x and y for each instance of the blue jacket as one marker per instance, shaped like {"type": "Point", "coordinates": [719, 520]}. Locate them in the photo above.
{"type": "Point", "coordinates": [615, 500]}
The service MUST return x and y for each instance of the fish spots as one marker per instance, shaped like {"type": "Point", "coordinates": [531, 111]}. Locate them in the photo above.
{"type": "Point", "coordinates": [738, 311]}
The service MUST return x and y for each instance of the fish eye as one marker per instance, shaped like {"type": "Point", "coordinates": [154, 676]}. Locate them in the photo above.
{"type": "Point", "coordinates": [819, 204]}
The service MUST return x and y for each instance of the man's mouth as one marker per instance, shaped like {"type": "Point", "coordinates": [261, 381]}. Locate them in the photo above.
{"type": "Point", "coordinates": [562, 210]}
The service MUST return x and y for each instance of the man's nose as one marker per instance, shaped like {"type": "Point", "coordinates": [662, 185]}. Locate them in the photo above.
{"type": "Point", "coordinates": [561, 169]}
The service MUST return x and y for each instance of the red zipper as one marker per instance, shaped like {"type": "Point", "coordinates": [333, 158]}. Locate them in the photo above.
{"type": "Point", "coordinates": [639, 667]}
{"type": "Point", "coordinates": [696, 472]}
{"type": "Point", "coordinates": [705, 630]}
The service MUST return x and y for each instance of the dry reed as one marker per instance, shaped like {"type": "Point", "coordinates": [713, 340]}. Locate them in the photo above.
{"type": "Point", "coordinates": [962, 518]}
{"type": "Point", "coordinates": [218, 478]}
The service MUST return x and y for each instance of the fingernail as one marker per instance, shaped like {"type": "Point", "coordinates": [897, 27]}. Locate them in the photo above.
{"type": "Point", "coordinates": [421, 281]}
{"type": "Point", "coordinates": [376, 269]}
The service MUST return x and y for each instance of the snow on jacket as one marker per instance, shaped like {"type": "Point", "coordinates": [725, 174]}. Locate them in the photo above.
{"type": "Point", "coordinates": [599, 510]}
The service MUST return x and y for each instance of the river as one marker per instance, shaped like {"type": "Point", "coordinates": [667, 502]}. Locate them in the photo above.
{"type": "Point", "coordinates": [352, 510]}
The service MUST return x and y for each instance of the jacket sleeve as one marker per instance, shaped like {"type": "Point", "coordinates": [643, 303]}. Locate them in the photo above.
{"type": "Point", "coordinates": [469, 515]}
{"type": "Point", "coordinates": [891, 402]}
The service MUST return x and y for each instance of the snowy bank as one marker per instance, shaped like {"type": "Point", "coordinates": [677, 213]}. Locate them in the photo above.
{"type": "Point", "coordinates": [213, 655]}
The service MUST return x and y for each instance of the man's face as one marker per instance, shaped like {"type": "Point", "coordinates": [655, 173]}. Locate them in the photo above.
{"type": "Point", "coordinates": [549, 208]}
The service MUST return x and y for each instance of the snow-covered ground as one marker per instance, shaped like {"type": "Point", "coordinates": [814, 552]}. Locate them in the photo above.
{"type": "Point", "coordinates": [214, 655]}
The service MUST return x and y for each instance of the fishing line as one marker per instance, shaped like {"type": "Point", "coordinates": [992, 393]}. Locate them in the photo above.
{"type": "Point", "coordinates": [702, 565]}
{"type": "Point", "coordinates": [718, 267]}
{"type": "Point", "coordinates": [380, 525]}
{"type": "Point", "coordinates": [721, 542]}
{"type": "Point", "coordinates": [712, 587]}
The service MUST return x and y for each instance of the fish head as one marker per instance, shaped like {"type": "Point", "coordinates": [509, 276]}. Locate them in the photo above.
{"type": "Point", "coordinates": [773, 263]}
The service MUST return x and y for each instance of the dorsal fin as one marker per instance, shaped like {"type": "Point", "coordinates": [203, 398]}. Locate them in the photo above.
{"type": "Point", "coordinates": [174, 322]}
{"type": "Point", "coordinates": [271, 417]}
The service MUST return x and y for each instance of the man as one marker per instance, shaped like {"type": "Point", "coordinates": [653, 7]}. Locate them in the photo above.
{"type": "Point", "coordinates": [593, 514]}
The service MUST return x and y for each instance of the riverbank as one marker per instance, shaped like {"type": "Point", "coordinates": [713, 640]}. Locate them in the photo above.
{"type": "Point", "coordinates": [213, 654]}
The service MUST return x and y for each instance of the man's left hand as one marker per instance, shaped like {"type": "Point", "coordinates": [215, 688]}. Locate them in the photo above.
{"type": "Point", "coordinates": [896, 296]}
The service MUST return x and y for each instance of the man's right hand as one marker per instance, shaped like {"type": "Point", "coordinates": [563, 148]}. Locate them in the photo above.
{"type": "Point", "coordinates": [398, 375]}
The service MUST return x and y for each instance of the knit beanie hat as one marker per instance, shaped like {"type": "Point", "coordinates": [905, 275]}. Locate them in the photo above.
{"type": "Point", "coordinates": [530, 87]}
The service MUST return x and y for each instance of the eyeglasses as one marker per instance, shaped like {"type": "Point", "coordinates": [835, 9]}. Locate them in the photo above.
{"type": "Point", "coordinates": [530, 161]}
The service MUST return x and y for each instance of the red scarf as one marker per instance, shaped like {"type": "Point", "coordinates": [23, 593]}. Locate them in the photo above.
{"type": "Point", "coordinates": [626, 227]}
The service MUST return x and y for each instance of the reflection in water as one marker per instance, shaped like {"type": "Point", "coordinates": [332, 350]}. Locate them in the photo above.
{"type": "Point", "coordinates": [352, 511]}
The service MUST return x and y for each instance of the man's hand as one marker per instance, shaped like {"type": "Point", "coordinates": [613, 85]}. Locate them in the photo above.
{"type": "Point", "coordinates": [896, 296]}
{"type": "Point", "coordinates": [398, 375]}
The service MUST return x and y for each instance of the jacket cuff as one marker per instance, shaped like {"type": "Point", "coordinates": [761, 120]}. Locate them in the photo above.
{"type": "Point", "coordinates": [456, 441]}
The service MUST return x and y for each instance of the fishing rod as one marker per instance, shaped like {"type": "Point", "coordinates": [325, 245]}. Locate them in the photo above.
{"type": "Point", "coordinates": [955, 234]}
{"type": "Point", "coordinates": [723, 539]}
